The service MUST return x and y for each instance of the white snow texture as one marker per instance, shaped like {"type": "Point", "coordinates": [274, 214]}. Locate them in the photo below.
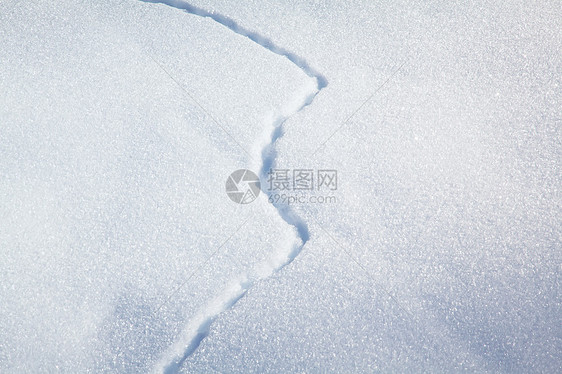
{"type": "Point", "coordinates": [120, 122]}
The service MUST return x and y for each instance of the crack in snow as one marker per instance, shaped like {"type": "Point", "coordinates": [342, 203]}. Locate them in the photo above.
{"type": "Point", "coordinates": [199, 327]}
{"type": "Point", "coordinates": [252, 35]}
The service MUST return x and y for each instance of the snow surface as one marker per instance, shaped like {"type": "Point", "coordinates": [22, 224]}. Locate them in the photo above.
{"type": "Point", "coordinates": [120, 122]}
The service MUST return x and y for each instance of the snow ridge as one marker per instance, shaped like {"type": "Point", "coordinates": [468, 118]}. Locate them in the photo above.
{"type": "Point", "coordinates": [199, 327]}
{"type": "Point", "coordinates": [253, 36]}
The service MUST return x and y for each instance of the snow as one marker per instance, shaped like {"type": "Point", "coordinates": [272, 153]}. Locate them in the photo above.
{"type": "Point", "coordinates": [121, 121]}
{"type": "Point", "coordinates": [114, 192]}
